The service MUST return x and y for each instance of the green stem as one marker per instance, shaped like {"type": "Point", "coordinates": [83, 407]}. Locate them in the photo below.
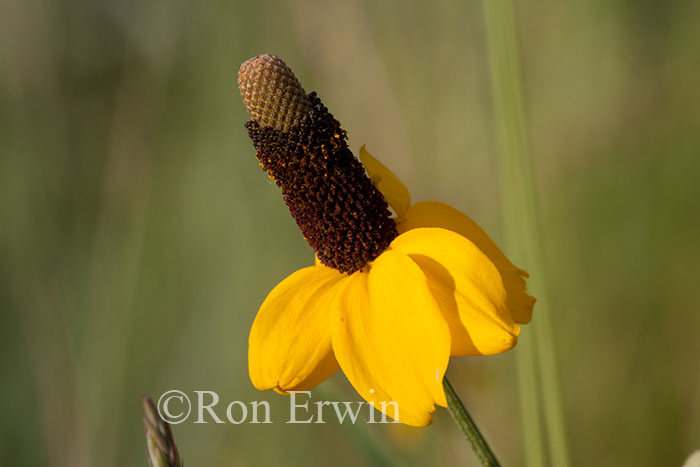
{"type": "Point", "coordinates": [466, 423]}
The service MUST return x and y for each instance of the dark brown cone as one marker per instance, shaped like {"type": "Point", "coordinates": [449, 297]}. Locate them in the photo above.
{"type": "Point", "coordinates": [342, 215]}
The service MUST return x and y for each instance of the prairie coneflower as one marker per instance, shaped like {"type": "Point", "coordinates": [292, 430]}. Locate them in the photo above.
{"type": "Point", "coordinates": [391, 297]}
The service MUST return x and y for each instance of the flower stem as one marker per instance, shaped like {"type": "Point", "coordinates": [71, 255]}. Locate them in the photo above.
{"type": "Point", "coordinates": [466, 423]}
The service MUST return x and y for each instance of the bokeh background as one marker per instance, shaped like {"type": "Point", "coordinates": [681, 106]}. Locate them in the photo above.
{"type": "Point", "coordinates": [138, 235]}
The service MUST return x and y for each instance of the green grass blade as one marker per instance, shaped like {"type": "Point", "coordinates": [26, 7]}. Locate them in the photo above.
{"type": "Point", "coordinates": [521, 225]}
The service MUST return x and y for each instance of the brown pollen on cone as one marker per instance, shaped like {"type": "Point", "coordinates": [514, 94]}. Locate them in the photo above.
{"type": "Point", "coordinates": [304, 150]}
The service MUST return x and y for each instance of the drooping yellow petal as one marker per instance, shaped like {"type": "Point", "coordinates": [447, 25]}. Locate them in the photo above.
{"type": "Point", "coordinates": [468, 288]}
{"type": "Point", "coordinates": [290, 342]}
{"type": "Point", "coordinates": [393, 189]}
{"type": "Point", "coordinates": [437, 214]}
{"type": "Point", "coordinates": [391, 339]}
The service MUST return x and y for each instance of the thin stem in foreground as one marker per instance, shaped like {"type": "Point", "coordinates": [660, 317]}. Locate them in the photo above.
{"type": "Point", "coordinates": [160, 445]}
{"type": "Point", "coordinates": [466, 423]}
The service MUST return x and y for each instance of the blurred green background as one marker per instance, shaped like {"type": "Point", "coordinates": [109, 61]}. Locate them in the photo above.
{"type": "Point", "coordinates": [138, 235]}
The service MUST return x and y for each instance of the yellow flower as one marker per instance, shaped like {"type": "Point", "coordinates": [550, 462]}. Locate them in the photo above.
{"type": "Point", "coordinates": [389, 299]}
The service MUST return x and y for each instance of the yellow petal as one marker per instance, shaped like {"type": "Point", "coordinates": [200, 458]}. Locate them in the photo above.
{"type": "Point", "coordinates": [468, 288]}
{"type": "Point", "coordinates": [436, 214]}
{"type": "Point", "coordinates": [290, 342]}
{"type": "Point", "coordinates": [391, 339]}
{"type": "Point", "coordinates": [394, 191]}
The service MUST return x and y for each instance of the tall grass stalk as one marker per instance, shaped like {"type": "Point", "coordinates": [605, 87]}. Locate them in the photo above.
{"type": "Point", "coordinates": [379, 452]}
{"type": "Point", "coordinates": [522, 233]}
{"type": "Point", "coordinates": [529, 404]}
